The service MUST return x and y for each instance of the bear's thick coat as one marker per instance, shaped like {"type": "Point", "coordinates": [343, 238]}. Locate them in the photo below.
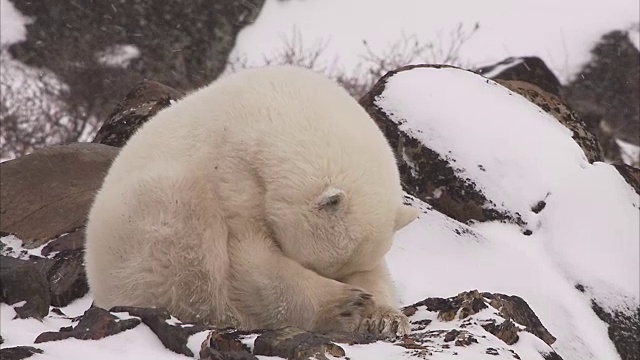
{"type": "Point", "coordinates": [268, 198]}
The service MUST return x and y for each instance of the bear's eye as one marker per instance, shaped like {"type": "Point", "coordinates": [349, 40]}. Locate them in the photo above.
{"type": "Point", "coordinates": [330, 200]}
{"type": "Point", "coordinates": [333, 201]}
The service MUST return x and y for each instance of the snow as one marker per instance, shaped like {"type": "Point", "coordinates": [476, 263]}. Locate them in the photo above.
{"type": "Point", "coordinates": [12, 24]}
{"type": "Point", "coordinates": [630, 153]}
{"type": "Point", "coordinates": [507, 64]}
{"type": "Point", "coordinates": [137, 343]}
{"type": "Point", "coordinates": [12, 246]}
{"type": "Point", "coordinates": [559, 32]}
{"type": "Point", "coordinates": [118, 55]}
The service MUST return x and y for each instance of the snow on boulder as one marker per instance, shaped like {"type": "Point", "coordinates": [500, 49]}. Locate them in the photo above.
{"type": "Point", "coordinates": [549, 226]}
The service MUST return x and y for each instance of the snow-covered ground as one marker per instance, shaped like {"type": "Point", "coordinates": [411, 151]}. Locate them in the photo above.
{"type": "Point", "coordinates": [559, 32]}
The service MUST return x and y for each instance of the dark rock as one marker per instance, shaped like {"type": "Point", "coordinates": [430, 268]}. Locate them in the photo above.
{"type": "Point", "coordinates": [18, 352]}
{"type": "Point", "coordinates": [429, 173]}
{"type": "Point", "coordinates": [463, 305]}
{"type": "Point", "coordinates": [296, 344]}
{"type": "Point", "coordinates": [492, 351]}
{"type": "Point", "coordinates": [514, 307]}
{"type": "Point", "coordinates": [21, 281]}
{"type": "Point", "coordinates": [48, 192]}
{"type": "Point", "coordinates": [173, 337]}
{"type": "Point", "coordinates": [551, 356]}
{"type": "Point", "coordinates": [67, 278]}
{"type": "Point", "coordinates": [70, 241]}
{"type": "Point", "coordinates": [624, 330]}
{"type": "Point", "coordinates": [539, 206]}
{"type": "Point", "coordinates": [607, 89]}
{"type": "Point", "coordinates": [505, 331]}
{"type": "Point", "coordinates": [224, 346]}
{"type": "Point", "coordinates": [469, 303]}
{"type": "Point", "coordinates": [140, 104]}
{"type": "Point", "coordinates": [552, 104]}
{"type": "Point", "coordinates": [96, 323]}
{"type": "Point", "coordinates": [530, 69]}
{"type": "Point", "coordinates": [451, 335]}
{"type": "Point", "coordinates": [630, 174]}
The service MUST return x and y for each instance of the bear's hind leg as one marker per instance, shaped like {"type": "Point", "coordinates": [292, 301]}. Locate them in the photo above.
{"type": "Point", "coordinates": [160, 240]}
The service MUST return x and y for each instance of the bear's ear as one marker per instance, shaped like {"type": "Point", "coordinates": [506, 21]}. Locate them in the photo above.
{"type": "Point", "coordinates": [331, 199]}
{"type": "Point", "coordinates": [405, 215]}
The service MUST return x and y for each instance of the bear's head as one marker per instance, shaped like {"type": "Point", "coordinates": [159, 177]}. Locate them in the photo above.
{"type": "Point", "coordinates": [338, 232]}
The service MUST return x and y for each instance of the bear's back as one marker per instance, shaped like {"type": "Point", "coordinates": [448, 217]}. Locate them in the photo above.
{"type": "Point", "coordinates": [286, 118]}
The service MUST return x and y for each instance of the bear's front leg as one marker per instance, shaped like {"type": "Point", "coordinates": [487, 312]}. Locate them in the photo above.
{"type": "Point", "coordinates": [384, 318]}
{"type": "Point", "coordinates": [270, 290]}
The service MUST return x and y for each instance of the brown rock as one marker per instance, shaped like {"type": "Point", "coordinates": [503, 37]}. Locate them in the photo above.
{"type": "Point", "coordinates": [96, 323]}
{"type": "Point", "coordinates": [296, 344]}
{"type": "Point", "coordinates": [48, 192]}
{"type": "Point", "coordinates": [140, 104]}
{"type": "Point", "coordinates": [505, 331]}
{"type": "Point", "coordinates": [514, 307]}
{"type": "Point", "coordinates": [70, 241]}
{"type": "Point", "coordinates": [430, 177]}
{"type": "Point", "coordinates": [472, 302]}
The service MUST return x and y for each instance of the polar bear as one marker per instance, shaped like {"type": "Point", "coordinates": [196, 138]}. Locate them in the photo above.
{"type": "Point", "coordinates": [266, 199]}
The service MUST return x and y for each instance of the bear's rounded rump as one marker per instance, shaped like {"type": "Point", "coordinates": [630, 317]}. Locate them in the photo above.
{"type": "Point", "coordinates": [267, 198]}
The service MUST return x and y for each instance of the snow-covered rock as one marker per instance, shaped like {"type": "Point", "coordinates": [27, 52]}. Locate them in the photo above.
{"type": "Point", "coordinates": [582, 220]}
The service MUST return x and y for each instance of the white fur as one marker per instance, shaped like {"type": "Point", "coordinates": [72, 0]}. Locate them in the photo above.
{"type": "Point", "coordinates": [265, 199]}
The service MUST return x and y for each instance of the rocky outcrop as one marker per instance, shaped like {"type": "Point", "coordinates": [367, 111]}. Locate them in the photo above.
{"type": "Point", "coordinates": [426, 174]}
{"type": "Point", "coordinates": [140, 104]}
{"type": "Point", "coordinates": [512, 308]}
{"type": "Point", "coordinates": [438, 325]}
{"type": "Point", "coordinates": [47, 193]}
